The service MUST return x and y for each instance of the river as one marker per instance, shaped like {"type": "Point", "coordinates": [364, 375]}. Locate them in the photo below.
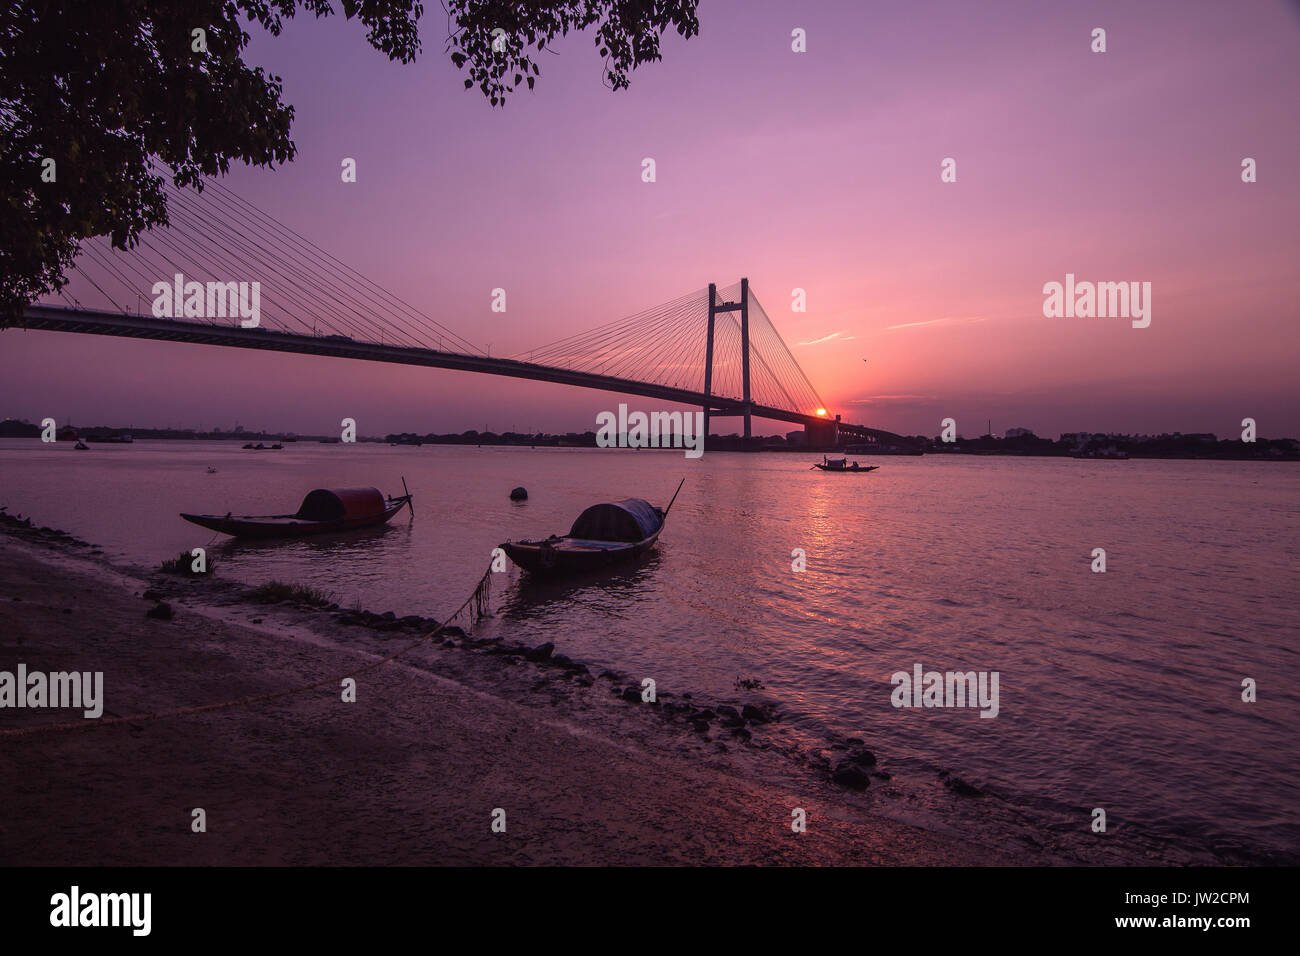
{"type": "Point", "coordinates": [1119, 690]}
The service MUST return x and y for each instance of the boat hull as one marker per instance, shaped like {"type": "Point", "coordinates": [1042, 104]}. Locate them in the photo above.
{"type": "Point", "coordinates": [289, 526]}
{"type": "Point", "coordinates": [848, 471]}
{"type": "Point", "coordinates": [558, 556]}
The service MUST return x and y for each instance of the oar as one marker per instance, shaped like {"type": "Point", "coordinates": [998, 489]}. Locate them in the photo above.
{"type": "Point", "coordinates": [675, 494]}
{"type": "Point", "coordinates": [410, 502]}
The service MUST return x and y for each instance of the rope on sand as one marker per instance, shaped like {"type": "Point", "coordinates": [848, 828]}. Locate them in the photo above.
{"type": "Point", "coordinates": [478, 598]}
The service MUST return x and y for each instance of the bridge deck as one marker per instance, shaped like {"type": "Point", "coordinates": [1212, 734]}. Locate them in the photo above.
{"type": "Point", "coordinates": [95, 322]}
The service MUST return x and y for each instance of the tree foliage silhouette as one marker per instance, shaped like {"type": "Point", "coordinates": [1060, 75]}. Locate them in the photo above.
{"type": "Point", "coordinates": [495, 40]}
{"type": "Point", "coordinates": [103, 88]}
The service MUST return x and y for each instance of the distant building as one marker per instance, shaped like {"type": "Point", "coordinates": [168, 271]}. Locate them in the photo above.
{"type": "Point", "coordinates": [796, 437]}
{"type": "Point", "coordinates": [1020, 433]}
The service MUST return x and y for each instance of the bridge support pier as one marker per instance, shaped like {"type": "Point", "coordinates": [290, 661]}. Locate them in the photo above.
{"type": "Point", "coordinates": [708, 362]}
{"type": "Point", "coordinates": [747, 405]}
{"type": "Point", "coordinates": [823, 434]}
{"type": "Point", "coordinates": [744, 351]}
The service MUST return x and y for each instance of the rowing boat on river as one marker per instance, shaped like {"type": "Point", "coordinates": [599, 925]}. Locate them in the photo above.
{"type": "Point", "coordinates": [605, 534]}
{"type": "Point", "coordinates": [842, 466]}
{"type": "Point", "coordinates": [322, 511]}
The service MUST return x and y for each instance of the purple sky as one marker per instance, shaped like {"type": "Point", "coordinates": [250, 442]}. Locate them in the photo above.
{"type": "Point", "coordinates": [816, 170]}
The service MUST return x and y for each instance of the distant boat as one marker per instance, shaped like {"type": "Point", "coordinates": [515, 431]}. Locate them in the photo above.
{"type": "Point", "coordinates": [211, 470]}
{"type": "Point", "coordinates": [842, 465]}
{"type": "Point", "coordinates": [604, 534]}
{"type": "Point", "coordinates": [322, 511]}
{"type": "Point", "coordinates": [81, 446]}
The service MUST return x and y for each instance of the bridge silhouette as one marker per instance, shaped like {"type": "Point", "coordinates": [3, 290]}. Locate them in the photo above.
{"type": "Point", "coordinates": [715, 349]}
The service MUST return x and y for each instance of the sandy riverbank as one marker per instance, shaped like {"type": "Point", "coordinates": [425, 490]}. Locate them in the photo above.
{"type": "Point", "coordinates": [408, 774]}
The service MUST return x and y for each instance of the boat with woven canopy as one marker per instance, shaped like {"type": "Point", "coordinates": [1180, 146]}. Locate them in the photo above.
{"type": "Point", "coordinates": [605, 534]}
{"type": "Point", "coordinates": [323, 510]}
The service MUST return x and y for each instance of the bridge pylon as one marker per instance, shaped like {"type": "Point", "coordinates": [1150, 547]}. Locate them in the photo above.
{"type": "Point", "coordinates": [747, 405]}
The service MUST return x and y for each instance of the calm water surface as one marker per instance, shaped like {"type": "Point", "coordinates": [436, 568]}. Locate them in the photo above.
{"type": "Point", "coordinates": [1118, 690]}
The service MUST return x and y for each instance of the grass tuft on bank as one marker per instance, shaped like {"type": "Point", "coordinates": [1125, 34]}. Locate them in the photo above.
{"type": "Point", "coordinates": [273, 592]}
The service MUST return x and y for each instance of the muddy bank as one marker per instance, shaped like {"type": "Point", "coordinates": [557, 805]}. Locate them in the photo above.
{"type": "Point", "coordinates": [409, 773]}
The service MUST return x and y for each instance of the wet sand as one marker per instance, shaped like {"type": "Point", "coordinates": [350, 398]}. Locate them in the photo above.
{"type": "Point", "coordinates": [409, 774]}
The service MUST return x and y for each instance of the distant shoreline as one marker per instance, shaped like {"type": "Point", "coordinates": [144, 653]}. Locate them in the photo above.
{"type": "Point", "coordinates": [1099, 447]}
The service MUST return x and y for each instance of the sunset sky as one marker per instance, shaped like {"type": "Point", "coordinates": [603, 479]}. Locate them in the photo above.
{"type": "Point", "coordinates": [818, 171]}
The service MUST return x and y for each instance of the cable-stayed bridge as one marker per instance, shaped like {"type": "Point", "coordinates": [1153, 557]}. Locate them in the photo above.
{"type": "Point", "coordinates": [715, 349]}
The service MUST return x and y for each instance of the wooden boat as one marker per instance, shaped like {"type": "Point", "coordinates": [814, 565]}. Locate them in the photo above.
{"type": "Point", "coordinates": [322, 511]}
{"type": "Point", "coordinates": [842, 465]}
{"type": "Point", "coordinates": [603, 535]}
